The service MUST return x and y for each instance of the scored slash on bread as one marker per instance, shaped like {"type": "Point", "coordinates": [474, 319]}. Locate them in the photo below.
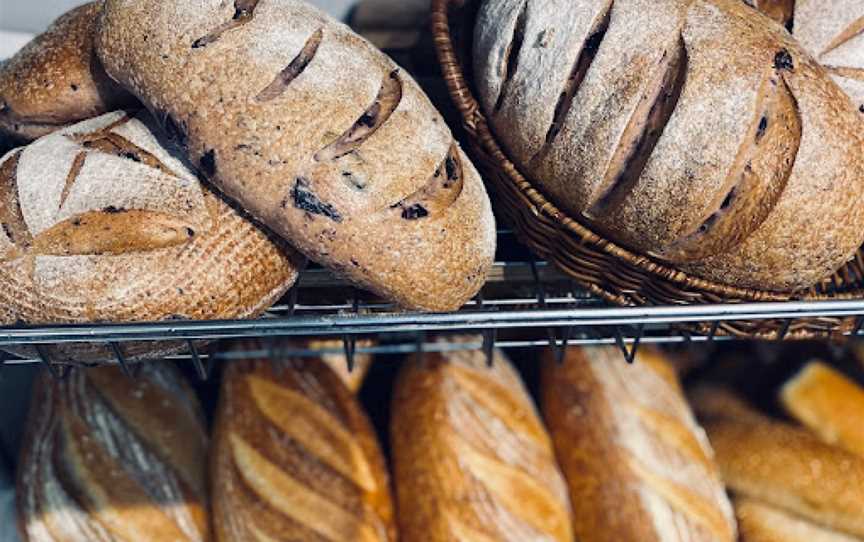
{"type": "Point", "coordinates": [296, 458]}
{"type": "Point", "coordinates": [317, 134]}
{"type": "Point", "coordinates": [472, 460]}
{"type": "Point", "coordinates": [686, 130]}
{"type": "Point", "coordinates": [637, 464]}
{"type": "Point", "coordinates": [99, 222]}
{"type": "Point", "coordinates": [107, 458]}
{"type": "Point", "coordinates": [56, 80]}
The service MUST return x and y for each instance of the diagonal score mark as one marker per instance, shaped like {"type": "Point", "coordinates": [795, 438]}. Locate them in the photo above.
{"type": "Point", "coordinates": [244, 12]}
{"type": "Point", "coordinates": [853, 30]}
{"type": "Point", "coordinates": [293, 70]}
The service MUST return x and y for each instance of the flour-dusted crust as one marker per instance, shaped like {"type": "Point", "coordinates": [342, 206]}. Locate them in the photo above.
{"type": "Point", "coordinates": [56, 80]}
{"type": "Point", "coordinates": [295, 458]}
{"type": "Point", "coordinates": [317, 134]}
{"type": "Point", "coordinates": [100, 223]}
{"type": "Point", "coordinates": [637, 463]}
{"type": "Point", "coordinates": [832, 31]}
{"type": "Point", "coordinates": [472, 460]}
{"type": "Point", "coordinates": [688, 130]}
{"type": "Point", "coordinates": [107, 458]}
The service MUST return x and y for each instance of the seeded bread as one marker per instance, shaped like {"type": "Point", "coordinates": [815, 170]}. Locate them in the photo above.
{"type": "Point", "coordinates": [100, 223]}
{"type": "Point", "coordinates": [688, 130]}
{"type": "Point", "coordinates": [56, 80]}
{"type": "Point", "coordinates": [833, 32]}
{"type": "Point", "coordinates": [472, 460]}
{"type": "Point", "coordinates": [317, 134]}
{"type": "Point", "coordinates": [295, 458]}
{"type": "Point", "coordinates": [637, 464]}
{"type": "Point", "coordinates": [107, 458]}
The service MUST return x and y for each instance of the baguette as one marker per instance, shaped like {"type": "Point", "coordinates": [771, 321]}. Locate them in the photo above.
{"type": "Point", "coordinates": [100, 222]}
{"type": "Point", "coordinates": [108, 459]}
{"type": "Point", "coordinates": [762, 523]}
{"type": "Point", "coordinates": [295, 458]}
{"type": "Point", "coordinates": [637, 464]}
{"type": "Point", "coordinates": [472, 460]}
{"type": "Point", "coordinates": [687, 130]}
{"type": "Point", "coordinates": [319, 135]}
{"type": "Point", "coordinates": [788, 468]}
{"type": "Point", "coordinates": [56, 80]}
{"type": "Point", "coordinates": [829, 404]}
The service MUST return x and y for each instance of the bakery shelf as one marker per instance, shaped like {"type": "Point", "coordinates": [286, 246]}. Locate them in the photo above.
{"type": "Point", "coordinates": [526, 303]}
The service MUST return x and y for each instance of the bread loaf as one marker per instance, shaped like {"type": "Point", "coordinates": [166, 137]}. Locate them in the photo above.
{"type": "Point", "coordinates": [317, 134]}
{"type": "Point", "coordinates": [338, 363]}
{"type": "Point", "coordinates": [108, 459]}
{"type": "Point", "coordinates": [684, 129]}
{"type": "Point", "coordinates": [637, 464]}
{"type": "Point", "coordinates": [295, 458]}
{"type": "Point", "coordinates": [100, 223]}
{"type": "Point", "coordinates": [833, 32]}
{"type": "Point", "coordinates": [472, 460]}
{"type": "Point", "coordinates": [762, 523]}
{"type": "Point", "coordinates": [829, 404]}
{"type": "Point", "coordinates": [788, 468]}
{"type": "Point", "coordinates": [56, 80]}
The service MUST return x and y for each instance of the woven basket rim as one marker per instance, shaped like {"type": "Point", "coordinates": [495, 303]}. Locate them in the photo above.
{"type": "Point", "coordinates": [476, 125]}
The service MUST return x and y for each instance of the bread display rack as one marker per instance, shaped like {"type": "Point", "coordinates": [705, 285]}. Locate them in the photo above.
{"type": "Point", "coordinates": [526, 303]}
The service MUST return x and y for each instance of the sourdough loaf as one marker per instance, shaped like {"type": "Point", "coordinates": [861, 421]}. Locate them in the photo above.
{"type": "Point", "coordinates": [57, 80]}
{"type": "Point", "coordinates": [637, 464]}
{"type": "Point", "coordinates": [317, 134]}
{"type": "Point", "coordinates": [107, 459]}
{"type": "Point", "coordinates": [101, 223]}
{"type": "Point", "coordinates": [829, 404]}
{"type": "Point", "coordinates": [762, 523]}
{"type": "Point", "coordinates": [833, 32]}
{"type": "Point", "coordinates": [295, 458]}
{"type": "Point", "coordinates": [786, 467]}
{"type": "Point", "coordinates": [688, 130]}
{"type": "Point", "coordinates": [472, 460]}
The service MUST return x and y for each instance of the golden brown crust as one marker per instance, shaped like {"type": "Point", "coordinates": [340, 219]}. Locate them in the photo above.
{"type": "Point", "coordinates": [56, 80]}
{"type": "Point", "coordinates": [791, 469]}
{"type": "Point", "coordinates": [638, 466]}
{"type": "Point", "coordinates": [107, 458]}
{"type": "Point", "coordinates": [295, 458]}
{"type": "Point", "coordinates": [762, 523]}
{"type": "Point", "coordinates": [100, 222]}
{"type": "Point", "coordinates": [316, 133]}
{"type": "Point", "coordinates": [472, 460]}
{"type": "Point", "coordinates": [829, 404]}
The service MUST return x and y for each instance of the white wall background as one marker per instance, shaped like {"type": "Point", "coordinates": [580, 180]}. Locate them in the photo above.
{"type": "Point", "coordinates": [34, 15]}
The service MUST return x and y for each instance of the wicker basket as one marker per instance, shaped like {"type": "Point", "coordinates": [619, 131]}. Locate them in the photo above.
{"type": "Point", "coordinates": [598, 264]}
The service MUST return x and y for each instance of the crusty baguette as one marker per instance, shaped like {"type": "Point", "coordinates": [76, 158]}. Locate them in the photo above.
{"type": "Point", "coordinates": [829, 404]}
{"type": "Point", "coordinates": [100, 222]}
{"type": "Point", "coordinates": [791, 469]}
{"type": "Point", "coordinates": [833, 32]}
{"type": "Point", "coordinates": [638, 466]}
{"type": "Point", "coordinates": [687, 130]}
{"type": "Point", "coordinates": [107, 459]}
{"type": "Point", "coordinates": [317, 134]}
{"type": "Point", "coordinates": [763, 523]}
{"type": "Point", "coordinates": [295, 458]}
{"type": "Point", "coordinates": [472, 460]}
{"type": "Point", "coordinates": [710, 401]}
{"type": "Point", "coordinates": [56, 80]}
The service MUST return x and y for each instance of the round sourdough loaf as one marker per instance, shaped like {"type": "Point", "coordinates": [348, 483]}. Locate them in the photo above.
{"type": "Point", "coordinates": [318, 134]}
{"type": "Point", "coordinates": [57, 80]}
{"type": "Point", "coordinates": [100, 223]}
{"type": "Point", "coordinates": [832, 31]}
{"type": "Point", "coordinates": [687, 130]}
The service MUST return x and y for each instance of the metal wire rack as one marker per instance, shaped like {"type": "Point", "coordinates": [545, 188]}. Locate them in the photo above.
{"type": "Point", "coordinates": [526, 303]}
